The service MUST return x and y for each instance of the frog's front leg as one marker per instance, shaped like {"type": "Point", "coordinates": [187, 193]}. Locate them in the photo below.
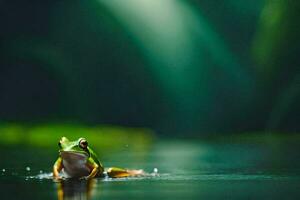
{"type": "Point", "coordinates": [57, 167]}
{"type": "Point", "coordinates": [94, 172]}
{"type": "Point", "coordinates": [96, 169]}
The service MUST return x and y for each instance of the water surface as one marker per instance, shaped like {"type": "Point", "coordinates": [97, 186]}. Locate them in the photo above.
{"type": "Point", "coordinates": [187, 170]}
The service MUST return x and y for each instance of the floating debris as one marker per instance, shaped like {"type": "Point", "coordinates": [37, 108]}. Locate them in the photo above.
{"type": "Point", "coordinates": [28, 169]}
{"type": "Point", "coordinates": [41, 171]}
{"type": "Point", "coordinates": [3, 170]}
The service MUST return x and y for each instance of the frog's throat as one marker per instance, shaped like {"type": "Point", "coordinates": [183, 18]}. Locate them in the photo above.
{"type": "Point", "coordinates": [74, 153]}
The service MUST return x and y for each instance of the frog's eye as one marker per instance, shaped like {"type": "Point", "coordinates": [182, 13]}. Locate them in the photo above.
{"type": "Point", "coordinates": [83, 143]}
{"type": "Point", "coordinates": [59, 144]}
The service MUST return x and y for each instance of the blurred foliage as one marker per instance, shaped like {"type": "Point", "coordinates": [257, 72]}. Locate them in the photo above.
{"type": "Point", "coordinates": [276, 49]}
{"type": "Point", "coordinates": [101, 138]}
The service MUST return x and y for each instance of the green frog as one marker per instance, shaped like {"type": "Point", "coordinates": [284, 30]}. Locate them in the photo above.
{"type": "Point", "coordinates": [77, 159]}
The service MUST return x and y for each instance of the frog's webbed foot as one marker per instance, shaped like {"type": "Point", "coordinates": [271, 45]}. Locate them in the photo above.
{"type": "Point", "coordinates": [115, 172]}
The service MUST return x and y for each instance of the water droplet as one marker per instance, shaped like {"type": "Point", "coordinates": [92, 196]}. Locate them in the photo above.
{"type": "Point", "coordinates": [126, 145]}
{"type": "Point", "coordinates": [28, 169]}
{"type": "Point", "coordinates": [3, 170]}
{"type": "Point", "coordinates": [155, 170]}
{"type": "Point", "coordinates": [41, 171]}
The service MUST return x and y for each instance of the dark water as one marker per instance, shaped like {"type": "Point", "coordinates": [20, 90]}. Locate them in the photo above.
{"type": "Point", "coordinates": [187, 170]}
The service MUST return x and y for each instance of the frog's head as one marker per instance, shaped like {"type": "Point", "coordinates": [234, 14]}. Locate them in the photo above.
{"type": "Point", "coordinates": [77, 148]}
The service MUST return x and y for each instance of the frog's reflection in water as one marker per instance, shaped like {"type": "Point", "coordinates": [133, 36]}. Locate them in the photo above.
{"type": "Point", "coordinates": [75, 189]}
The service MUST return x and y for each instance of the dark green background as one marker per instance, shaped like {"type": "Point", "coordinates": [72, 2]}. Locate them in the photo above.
{"type": "Point", "coordinates": [197, 66]}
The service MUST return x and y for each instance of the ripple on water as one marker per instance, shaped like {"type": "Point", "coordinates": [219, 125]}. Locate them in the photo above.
{"type": "Point", "coordinates": [181, 177]}
{"type": "Point", "coordinates": [41, 176]}
{"type": "Point", "coordinates": [219, 177]}
{"type": "Point", "coordinates": [46, 176]}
